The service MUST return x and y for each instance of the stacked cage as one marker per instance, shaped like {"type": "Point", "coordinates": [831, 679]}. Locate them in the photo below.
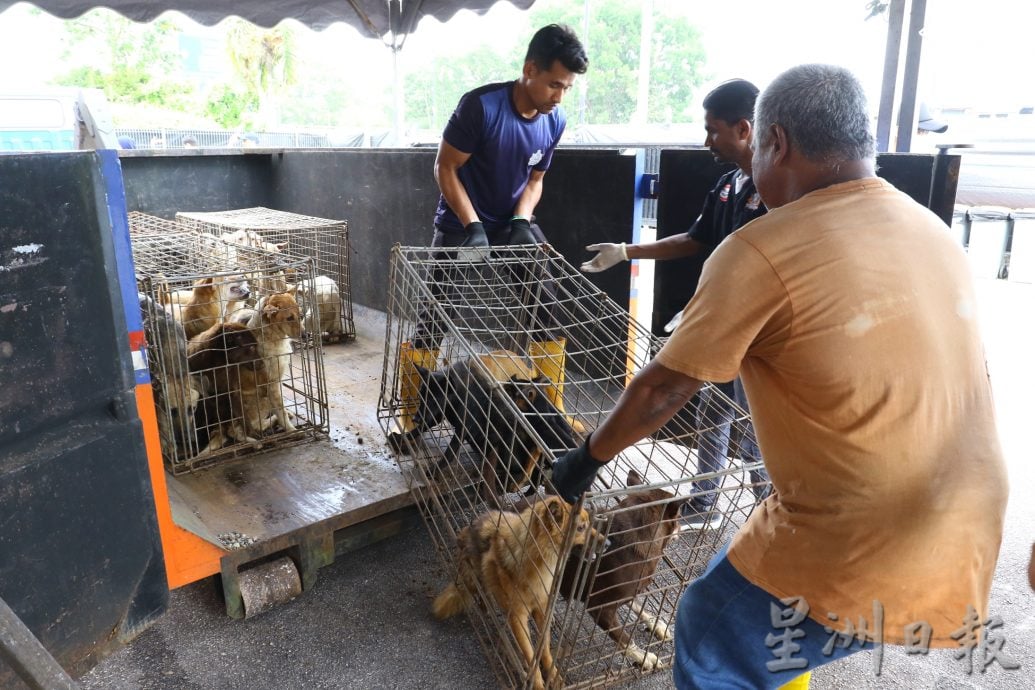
{"type": "Point", "coordinates": [222, 328]}
{"type": "Point", "coordinates": [495, 363]}
{"type": "Point", "coordinates": [327, 300]}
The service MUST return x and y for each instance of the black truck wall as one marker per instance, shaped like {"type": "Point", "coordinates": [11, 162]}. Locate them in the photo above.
{"type": "Point", "coordinates": [80, 556]}
{"type": "Point", "coordinates": [687, 175]}
{"type": "Point", "coordinates": [163, 184]}
{"type": "Point", "coordinates": [388, 196]}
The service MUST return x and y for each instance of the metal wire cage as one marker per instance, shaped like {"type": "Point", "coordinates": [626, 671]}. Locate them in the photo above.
{"type": "Point", "coordinates": [494, 364]}
{"type": "Point", "coordinates": [221, 324]}
{"type": "Point", "coordinates": [326, 302]}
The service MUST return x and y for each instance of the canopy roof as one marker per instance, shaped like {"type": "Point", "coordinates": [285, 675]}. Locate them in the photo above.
{"type": "Point", "coordinates": [375, 18]}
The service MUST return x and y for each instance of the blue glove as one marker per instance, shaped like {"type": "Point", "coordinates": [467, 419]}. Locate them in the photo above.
{"type": "Point", "coordinates": [521, 232]}
{"type": "Point", "coordinates": [573, 473]}
{"type": "Point", "coordinates": [475, 235]}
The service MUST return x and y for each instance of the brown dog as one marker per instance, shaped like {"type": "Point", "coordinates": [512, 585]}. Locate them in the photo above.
{"type": "Point", "coordinates": [641, 528]}
{"type": "Point", "coordinates": [227, 355]}
{"type": "Point", "coordinates": [514, 557]}
{"type": "Point", "coordinates": [208, 302]}
{"type": "Point", "coordinates": [274, 322]}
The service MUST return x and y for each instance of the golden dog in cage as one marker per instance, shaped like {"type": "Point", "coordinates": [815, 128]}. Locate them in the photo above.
{"type": "Point", "coordinates": [514, 557]}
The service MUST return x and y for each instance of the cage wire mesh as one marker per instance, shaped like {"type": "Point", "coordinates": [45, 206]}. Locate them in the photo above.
{"type": "Point", "coordinates": [222, 325]}
{"type": "Point", "coordinates": [327, 301]}
{"type": "Point", "coordinates": [494, 364]}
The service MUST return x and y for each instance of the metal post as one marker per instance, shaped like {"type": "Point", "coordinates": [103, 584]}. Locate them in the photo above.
{"type": "Point", "coordinates": [584, 87]}
{"type": "Point", "coordinates": [398, 88]}
{"type": "Point", "coordinates": [896, 11]}
{"type": "Point", "coordinates": [643, 77]}
{"type": "Point", "coordinates": [910, 76]}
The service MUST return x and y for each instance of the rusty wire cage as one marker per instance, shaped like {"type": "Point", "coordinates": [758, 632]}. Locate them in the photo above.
{"type": "Point", "coordinates": [327, 301]}
{"type": "Point", "coordinates": [223, 391]}
{"type": "Point", "coordinates": [496, 363]}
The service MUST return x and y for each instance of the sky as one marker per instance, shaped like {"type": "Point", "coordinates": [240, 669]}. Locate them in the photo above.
{"type": "Point", "coordinates": [976, 54]}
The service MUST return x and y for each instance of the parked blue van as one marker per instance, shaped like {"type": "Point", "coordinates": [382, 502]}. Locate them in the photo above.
{"type": "Point", "coordinates": [38, 121]}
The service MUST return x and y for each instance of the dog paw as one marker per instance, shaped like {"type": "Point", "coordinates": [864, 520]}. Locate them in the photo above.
{"type": "Point", "coordinates": [396, 442]}
{"type": "Point", "coordinates": [648, 661]}
{"type": "Point", "coordinates": [554, 679]}
{"type": "Point", "coordinates": [661, 631]}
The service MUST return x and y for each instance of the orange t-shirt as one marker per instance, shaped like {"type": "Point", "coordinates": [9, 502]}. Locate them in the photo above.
{"type": "Point", "coordinates": [851, 317]}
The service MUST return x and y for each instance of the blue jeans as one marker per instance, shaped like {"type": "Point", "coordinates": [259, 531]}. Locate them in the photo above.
{"type": "Point", "coordinates": [713, 449]}
{"type": "Point", "coordinates": [729, 636]}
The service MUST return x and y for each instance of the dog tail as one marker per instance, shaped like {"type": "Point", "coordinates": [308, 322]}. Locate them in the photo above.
{"type": "Point", "coordinates": [450, 602]}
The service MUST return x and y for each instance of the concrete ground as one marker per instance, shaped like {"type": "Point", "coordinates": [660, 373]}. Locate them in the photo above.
{"type": "Point", "coordinates": [367, 623]}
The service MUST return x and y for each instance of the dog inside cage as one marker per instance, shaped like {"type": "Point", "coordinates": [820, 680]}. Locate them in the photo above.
{"type": "Point", "coordinates": [325, 299]}
{"type": "Point", "coordinates": [222, 324]}
{"type": "Point", "coordinates": [493, 367]}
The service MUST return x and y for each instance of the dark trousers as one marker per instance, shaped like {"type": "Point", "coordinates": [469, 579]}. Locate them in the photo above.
{"type": "Point", "coordinates": [538, 306]}
{"type": "Point", "coordinates": [715, 426]}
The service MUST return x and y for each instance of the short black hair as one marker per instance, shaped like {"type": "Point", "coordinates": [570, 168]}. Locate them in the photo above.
{"type": "Point", "coordinates": [732, 101]}
{"type": "Point", "coordinates": [557, 42]}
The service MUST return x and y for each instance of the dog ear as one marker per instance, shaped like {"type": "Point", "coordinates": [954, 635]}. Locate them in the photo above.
{"type": "Point", "coordinates": [281, 246]}
{"type": "Point", "coordinates": [269, 310]}
{"type": "Point", "coordinates": [672, 508]}
{"type": "Point", "coordinates": [557, 509]}
{"type": "Point", "coordinates": [421, 371]}
{"type": "Point", "coordinates": [634, 479]}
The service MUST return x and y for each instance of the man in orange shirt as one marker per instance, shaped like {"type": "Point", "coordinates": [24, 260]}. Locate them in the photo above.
{"type": "Point", "coordinates": [850, 314]}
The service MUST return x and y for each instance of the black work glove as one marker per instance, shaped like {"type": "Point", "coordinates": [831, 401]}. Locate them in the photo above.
{"type": "Point", "coordinates": [475, 235]}
{"type": "Point", "coordinates": [521, 232]}
{"type": "Point", "coordinates": [573, 473]}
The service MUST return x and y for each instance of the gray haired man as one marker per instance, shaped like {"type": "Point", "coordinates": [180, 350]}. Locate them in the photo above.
{"type": "Point", "coordinates": [850, 314]}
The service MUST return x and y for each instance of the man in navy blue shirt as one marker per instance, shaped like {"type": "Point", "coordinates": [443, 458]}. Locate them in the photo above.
{"type": "Point", "coordinates": [494, 153]}
{"type": "Point", "coordinates": [731, 204]}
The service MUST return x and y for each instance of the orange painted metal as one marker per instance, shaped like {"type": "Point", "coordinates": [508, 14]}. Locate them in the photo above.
{"type": "Point", "coordinates": [188, 557]}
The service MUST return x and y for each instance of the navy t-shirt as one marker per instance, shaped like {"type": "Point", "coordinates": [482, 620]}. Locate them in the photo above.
{"type": "Point", "coordinates": [504, 146]}
{"type": "Point", "coordinates": [725, 209]}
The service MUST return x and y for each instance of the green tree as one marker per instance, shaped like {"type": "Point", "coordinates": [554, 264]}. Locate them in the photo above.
{"type": "Point", "coordinates": [264, 61]}
{"type": "Point", "coordinates": [132, 63]}
{"type": "Point", "coordinates": [613, 44]}
{"type": "Point", "coordinates": [677, 69]}
{"type": "Point", "coordinates": [227, 105]}
{"type": "Point", "coordinates": [433, 90]}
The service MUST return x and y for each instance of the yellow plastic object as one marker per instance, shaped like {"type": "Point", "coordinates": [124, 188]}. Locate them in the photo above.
{"type": "Point", "coordinates": [409, 382]}
{"type": "Point", "coordinates": [799, 683]}
{"type": "Point", "coordinates": [548, 359]}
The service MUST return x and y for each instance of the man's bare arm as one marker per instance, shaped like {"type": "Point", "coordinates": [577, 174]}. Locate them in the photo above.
{"type": "Point", "coordinates": [447, 165]}
{"type": "Point", "coordinates": [531, 194]}
{"type": "Point", "coordinates": [674, 247]}
{"type": "Point", "coordinates": [653, 397]}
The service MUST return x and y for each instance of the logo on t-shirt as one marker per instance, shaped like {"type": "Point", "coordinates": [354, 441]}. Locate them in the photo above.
{"type": "Point", "coordinates": [725, 193]}
{"type": "Point", "coordinates": [536, 157]}
{"type": "Point", "coordinates": [753, 202]}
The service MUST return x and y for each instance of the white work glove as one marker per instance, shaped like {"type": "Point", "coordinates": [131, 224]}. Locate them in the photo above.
{"type": "Point", "coordinates": [674, 322]}
{"type": "Point", "coordinates": [608, 255]}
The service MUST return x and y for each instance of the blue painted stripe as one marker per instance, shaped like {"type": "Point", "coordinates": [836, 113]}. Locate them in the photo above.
{"type": "Point", "coordinates": [111, 174]}
{"type": "Point", "coordinates": [115, 194]}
